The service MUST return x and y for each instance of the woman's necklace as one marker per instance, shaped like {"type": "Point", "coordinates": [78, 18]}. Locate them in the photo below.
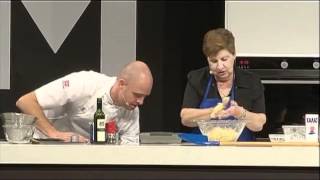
{"type": "Point", "coordinates": [224, 88]}
{"type": "Point", "coordinates": [224, 93]}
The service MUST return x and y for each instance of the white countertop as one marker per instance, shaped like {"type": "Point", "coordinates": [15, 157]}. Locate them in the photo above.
{"type": "Point", "coordinates": [297, 156]}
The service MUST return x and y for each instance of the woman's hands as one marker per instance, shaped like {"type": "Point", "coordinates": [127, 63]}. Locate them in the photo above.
{"type": "Point", "coordinates": [234, 110]}
{"type": "Point", "coordinates": [216, 110]}
{"type": "Point", "coordinates": [254, 121]}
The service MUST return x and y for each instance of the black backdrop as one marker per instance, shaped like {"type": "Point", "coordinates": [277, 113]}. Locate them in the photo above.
{"type": "Point", "coordinates": [169, 37]}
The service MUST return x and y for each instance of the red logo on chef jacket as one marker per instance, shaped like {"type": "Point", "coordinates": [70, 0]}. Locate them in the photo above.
{"type": "Point", "coordinates": [65, 84]}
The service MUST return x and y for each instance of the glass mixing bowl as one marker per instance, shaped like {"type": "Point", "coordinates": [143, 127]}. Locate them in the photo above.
{"type": "Point", "coordinates": [221, 130]}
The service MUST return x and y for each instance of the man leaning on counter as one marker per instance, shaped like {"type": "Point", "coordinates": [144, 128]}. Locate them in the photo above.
{"type": "Point", "coordinates": [74, 97]}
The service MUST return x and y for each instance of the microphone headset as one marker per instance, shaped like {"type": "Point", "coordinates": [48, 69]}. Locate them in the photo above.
{"type": "Point", "coordinates": [125, 101]}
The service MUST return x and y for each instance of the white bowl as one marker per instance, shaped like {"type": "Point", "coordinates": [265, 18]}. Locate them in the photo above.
{"type": "Point", "coordinates": [221, 130]}
{"type": "Point", "coordinates": [276, 137]}
{"type": "Point", "coordinates": [294, 133]}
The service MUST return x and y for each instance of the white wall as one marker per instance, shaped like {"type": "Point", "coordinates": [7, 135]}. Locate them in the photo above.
{"type": "Point", "coordinates": [55, 19]}
{"type": "Point", "coordinates": [274, 28]}
{"type": "Point", "coordinates": [5, 44]}
{"type": "Point", "coordinates": [118, 30]}
{"type": "Point", "coordinates": [118, 35]}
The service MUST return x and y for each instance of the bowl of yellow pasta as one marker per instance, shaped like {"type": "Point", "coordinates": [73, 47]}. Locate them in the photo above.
{"type": "Point", "coordinates": [221, 130]}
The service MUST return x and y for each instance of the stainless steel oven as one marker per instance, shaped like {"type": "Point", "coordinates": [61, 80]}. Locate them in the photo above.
{"type": "Point", "coordinates": [291, 88]}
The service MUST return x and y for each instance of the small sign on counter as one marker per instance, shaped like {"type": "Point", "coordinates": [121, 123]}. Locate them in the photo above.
{"type": "Point", "coordinates": [312, 127]}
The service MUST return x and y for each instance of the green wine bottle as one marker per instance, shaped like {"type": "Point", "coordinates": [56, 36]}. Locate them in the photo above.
{"type": "Point", "coordinates": [99, 124]}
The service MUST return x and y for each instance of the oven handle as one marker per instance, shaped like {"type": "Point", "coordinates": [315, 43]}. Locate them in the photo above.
{"type": "Point", "coordinates": [290, 81]}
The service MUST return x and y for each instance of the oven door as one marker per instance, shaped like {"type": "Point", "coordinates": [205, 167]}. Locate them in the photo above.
{"type": "Point", "coordinates": [291, 88]}
{"type": "Point", "coordinates": [288, 101]}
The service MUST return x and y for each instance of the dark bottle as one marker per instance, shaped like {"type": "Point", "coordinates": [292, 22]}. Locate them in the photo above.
{"type": "Point", "coordinates": [99, 135]}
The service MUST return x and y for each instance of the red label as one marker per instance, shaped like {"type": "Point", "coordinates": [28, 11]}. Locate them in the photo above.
{"type": "Point", "coordinates": [65, 84]}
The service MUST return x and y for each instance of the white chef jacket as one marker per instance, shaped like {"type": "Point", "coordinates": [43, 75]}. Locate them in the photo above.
{"type": "Point", "coordinates": [74, 97]}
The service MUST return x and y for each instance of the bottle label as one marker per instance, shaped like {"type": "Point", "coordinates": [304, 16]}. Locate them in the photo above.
{"type": "Point", "coordinates": [101, 123]}
{"type": "Point", "coordinates": [101, 136]}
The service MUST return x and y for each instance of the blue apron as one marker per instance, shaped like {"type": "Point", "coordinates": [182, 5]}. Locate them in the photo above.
{"type": "Point", "coordinates": [246, 134]}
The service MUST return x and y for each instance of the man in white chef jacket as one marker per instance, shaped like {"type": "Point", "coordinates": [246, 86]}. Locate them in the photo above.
{"type": "Point", "coordinates": [74, 98]}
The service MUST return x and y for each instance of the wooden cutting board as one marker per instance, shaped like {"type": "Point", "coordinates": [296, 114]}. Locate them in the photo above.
{"type": "Point", "coordinates": [266, 144]}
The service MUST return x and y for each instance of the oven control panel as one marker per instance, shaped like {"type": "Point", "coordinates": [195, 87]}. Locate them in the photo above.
{"type": "Point", "coordinates": [298, 69]}
{"type": "Point", "coordinates": [278, 62]}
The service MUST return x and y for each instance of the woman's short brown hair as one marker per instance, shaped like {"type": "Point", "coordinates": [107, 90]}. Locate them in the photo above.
{"type": "Point", "coordinates": [216, 40]}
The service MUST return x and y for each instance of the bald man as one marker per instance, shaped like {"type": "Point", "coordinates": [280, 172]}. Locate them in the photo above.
{"type": "Point", "coordinates": [66, 106]}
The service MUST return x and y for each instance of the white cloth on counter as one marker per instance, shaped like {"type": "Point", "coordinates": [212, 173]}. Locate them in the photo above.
{"type": "Point", "coordinates": [73, 98]}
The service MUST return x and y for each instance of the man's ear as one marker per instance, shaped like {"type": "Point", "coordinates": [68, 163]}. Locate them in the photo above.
{"type": "Point", "coordinates": [122, 82]}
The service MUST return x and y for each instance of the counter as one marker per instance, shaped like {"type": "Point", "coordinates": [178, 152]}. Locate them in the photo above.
{"type": "Point", "coordinates": [159, 155]}
{"type": "Point", "coordinates": [145, 158]}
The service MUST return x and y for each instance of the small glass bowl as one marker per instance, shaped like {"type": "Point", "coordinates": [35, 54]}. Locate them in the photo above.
{"type": "Point", "coordinates": [18, 134]}
{"type": "Point", "coordinates": [294, 133]}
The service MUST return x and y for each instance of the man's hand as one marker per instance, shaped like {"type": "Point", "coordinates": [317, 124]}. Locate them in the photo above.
{"type": "Point", "coordinates": [66, 136]}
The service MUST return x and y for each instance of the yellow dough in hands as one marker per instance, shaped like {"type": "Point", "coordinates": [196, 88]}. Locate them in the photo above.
{"type": "Point", "coordinates": [219, 107]}
{"type": "Point", "coordinates": [225, 100]}
{"type": "Point", "coordinates": [221, 134]}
